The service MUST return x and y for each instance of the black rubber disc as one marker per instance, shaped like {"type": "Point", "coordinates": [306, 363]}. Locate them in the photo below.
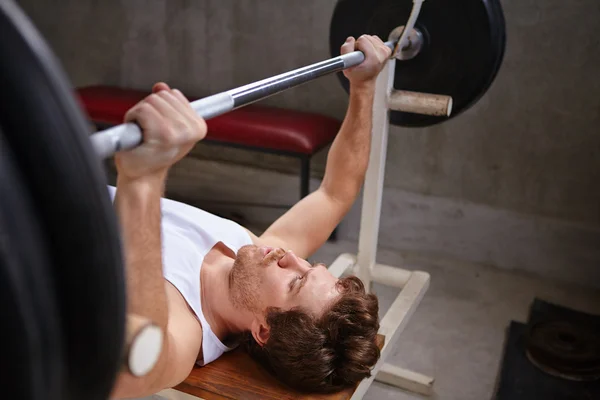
{"type": "Point", "coordinates": [565, 349]}
{"type": "Point", "coordinates": [31, 347]}
{"type": "Point", "coordinates": [463, 49]}
{"type": "Point", "coordinates": [45, 130]}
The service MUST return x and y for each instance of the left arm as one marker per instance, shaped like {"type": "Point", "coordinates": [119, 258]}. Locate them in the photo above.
{"type": "Point", "coordinates": [310, 222]}
{"type": "Point", "coordinates": [307, 225]}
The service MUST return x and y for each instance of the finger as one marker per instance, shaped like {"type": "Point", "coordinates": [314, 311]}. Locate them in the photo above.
{"type": "Point", "coordinates": [180, 106]}
{"type": "Point", "coordinates": [376, 41]}
{"type": "Point", "coordinates": [177, 93]}
{"type": "Point", "coordinates": [348, 46]}
{"type": "Point", "coordinates": [180, 103]}
{"type": "Point", "coordinates": [171, 117]}
{"type": "Point", "coordinates": [201, 123]}
{"type": "Point", "coordinates": [160, 86]}
{"type": "Point", "coordinates": [184, 100]}
{"type": "Point", "coordinates": [380, 46]}
{"type": "Point", "coordinates": [146, 116]}
{"type": "Point", "coordinates": [365, 45]}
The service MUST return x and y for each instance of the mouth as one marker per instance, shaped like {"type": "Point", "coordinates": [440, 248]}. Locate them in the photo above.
{"type": "Point", "coordinates": [266, 250]}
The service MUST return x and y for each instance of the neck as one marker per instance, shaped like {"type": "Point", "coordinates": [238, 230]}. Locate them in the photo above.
{"type": "Point", "coordinates": [226, 321]}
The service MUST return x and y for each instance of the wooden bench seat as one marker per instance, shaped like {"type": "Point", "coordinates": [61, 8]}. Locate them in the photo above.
{"type": "Point", "coordinates": [237, 376]}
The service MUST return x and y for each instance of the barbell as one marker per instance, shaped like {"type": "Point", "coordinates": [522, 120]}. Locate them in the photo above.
{"type": "Point", "coordinates": [62, 283]}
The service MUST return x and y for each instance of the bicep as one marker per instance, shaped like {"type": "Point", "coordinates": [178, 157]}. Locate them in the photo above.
{"type": "Point", "coordinates": [308, 224]}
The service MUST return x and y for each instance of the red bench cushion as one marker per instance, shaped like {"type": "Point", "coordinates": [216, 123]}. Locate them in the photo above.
{"type": "Point", "coordinates": [250, 126]}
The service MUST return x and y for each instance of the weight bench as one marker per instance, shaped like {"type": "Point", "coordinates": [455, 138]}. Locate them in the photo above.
{"type": "Point", "coordinates": [254, 127]}
{"type": "Point", "coordinates": [235, 375]}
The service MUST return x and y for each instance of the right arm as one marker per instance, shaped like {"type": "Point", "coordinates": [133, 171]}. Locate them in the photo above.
{"type": "Point", "coordinates": [170, 128]}
{"type": "Point", "coordinates": [137, 203]}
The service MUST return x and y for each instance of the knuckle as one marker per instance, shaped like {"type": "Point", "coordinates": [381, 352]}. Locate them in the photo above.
{"type": "Point", "coordinates": [166, 96]}
{"type": "Point", "coordinates": [178, 94]}
{"type": "Point", "coordinates": [180, 127]}
{"type": "Point", "coordinates": [169, 135]}
{"type": "Point", "coordinates": [152, 99]}
{"type": "Point", "coordinates": [132, 113]}
{"type": "Point", "coordinates": [143, 109]}
{"type": "Point", "coordinates": [201, 127]}
{"type": "Point", "coordinates": [163, 94]}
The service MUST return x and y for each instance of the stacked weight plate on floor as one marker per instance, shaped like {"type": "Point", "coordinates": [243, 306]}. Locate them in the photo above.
{"type": "Point", "coordinates": [464, 42]}
{"type": "Point", "coordinates": [62, 287]}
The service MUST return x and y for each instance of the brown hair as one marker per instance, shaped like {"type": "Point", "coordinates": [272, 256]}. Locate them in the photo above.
{"type": "Point", "coordinates": [327, 353]}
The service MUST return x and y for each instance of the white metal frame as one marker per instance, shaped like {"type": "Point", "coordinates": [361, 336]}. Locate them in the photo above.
{"type": "Point", "coordinates": [413, 284]}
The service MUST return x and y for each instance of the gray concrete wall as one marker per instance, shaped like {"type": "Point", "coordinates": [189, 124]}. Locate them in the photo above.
{"type": "Point", "coordinates": [530, 147]}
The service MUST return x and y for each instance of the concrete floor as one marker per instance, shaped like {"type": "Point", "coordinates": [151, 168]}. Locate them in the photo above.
{"type": "Point", "coordinates": [457, 333]}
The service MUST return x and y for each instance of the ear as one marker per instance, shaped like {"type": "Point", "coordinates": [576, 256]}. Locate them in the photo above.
{"type": "Point", "coordinates": [260, 331]}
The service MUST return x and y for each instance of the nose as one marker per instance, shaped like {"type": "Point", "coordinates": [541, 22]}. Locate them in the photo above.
{"type": "Point", "coordinates": [290, 260]}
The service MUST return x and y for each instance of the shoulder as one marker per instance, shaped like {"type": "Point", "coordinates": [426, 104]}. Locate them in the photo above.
{"type": "Point", "coordinates": [180, 313]}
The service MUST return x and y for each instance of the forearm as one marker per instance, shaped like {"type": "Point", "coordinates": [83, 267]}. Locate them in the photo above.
{"type": "Point", "coordinates": [137, 204]}
{"type": "Point", "coordinates": [348, 156]}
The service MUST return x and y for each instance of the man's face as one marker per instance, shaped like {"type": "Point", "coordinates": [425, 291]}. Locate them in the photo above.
{"type": "Point", "coordinates": [265, 277]}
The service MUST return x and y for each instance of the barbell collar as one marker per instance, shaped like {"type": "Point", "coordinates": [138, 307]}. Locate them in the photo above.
{"type": "Point", "coordinates": [143, 345]}
{"type": "Point", "coordinates": [420, 103]}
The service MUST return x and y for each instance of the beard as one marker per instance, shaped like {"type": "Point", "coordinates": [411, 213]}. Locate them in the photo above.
{"type": "Point", "coordinates": [246, 277]}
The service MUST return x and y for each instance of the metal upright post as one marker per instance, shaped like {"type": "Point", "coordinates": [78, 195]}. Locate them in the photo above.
{"type": "Point", "coordinates": [373, 187]}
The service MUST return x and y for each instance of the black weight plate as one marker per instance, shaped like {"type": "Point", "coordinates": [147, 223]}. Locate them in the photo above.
{"type": "Point", "coordinates": [500, 23]}
{"type": "Point", "coordinates": [46, 130]}
{"type": "Point", "coordinates": [565, 349]}
{"type": "Point", "coordinates": [31, 350]}
{"type": "Point", "coordinates": [461, 56]}
{"type": "Point", "coordinates": [496, 14]}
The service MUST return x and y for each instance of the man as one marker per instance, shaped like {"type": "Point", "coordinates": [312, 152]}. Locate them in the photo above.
{"type": "Point", "coordinates": [211, 284]}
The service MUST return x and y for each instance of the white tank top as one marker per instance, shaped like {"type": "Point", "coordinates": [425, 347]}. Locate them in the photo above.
{"type": "Point", "coordinates": [188, 234]}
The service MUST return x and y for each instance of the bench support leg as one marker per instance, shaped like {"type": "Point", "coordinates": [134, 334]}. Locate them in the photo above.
{"type": "Point", "coordinates": [392, 325]}
{"type": "Point", "coordinates": [304, 176]}
{"type": "Point", "coordinates": [405, 379]}
{"type": "Point", "coordinates": [374, 180]}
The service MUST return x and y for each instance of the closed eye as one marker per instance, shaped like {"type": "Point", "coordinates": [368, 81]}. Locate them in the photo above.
{"type": "Point", "coordinates": [300, 277]}
{"type": "Point", "coordinates": [302, 280]}
{"type": "Point", "coordinates": [293, 282]}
